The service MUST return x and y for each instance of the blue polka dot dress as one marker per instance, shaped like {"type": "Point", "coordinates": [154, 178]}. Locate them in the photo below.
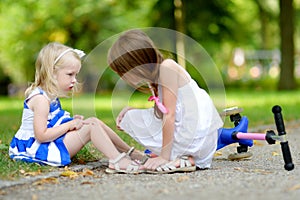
{"type": "Point", "coordinates": [25, 147]}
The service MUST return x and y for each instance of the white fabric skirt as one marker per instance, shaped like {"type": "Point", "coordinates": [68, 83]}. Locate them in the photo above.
{"type": "Point", "coordinates": [143, 126]}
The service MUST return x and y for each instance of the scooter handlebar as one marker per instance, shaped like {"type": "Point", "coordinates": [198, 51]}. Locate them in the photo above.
{"type": "Point", "coordinates": [284, 145]}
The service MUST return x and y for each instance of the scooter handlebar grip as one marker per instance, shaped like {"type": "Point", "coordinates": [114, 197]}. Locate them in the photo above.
{"type": "Point", "coordinates": [278, 120]}
{"type": "Point", "coordinates": [288, 163]}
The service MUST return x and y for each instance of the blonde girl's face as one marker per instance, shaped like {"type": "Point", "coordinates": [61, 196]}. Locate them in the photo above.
{"type": "Point", "coordinates": [66, 74]}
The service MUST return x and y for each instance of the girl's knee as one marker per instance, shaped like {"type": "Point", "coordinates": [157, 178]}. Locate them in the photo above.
{"type": "Point", "coordinates": [93, 120]}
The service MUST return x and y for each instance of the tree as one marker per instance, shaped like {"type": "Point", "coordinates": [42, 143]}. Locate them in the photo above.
{"type": "Point", "coordinates": [287, 79]}
{"type": "Point", "coordinates": [209, 22]}
{"type": "Point", "coordinates": [27, 25]}
{"type": "Point", "coordinates": [267, 12]}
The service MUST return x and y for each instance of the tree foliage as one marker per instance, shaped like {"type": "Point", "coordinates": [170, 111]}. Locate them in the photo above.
{"type": "Point", "coordinates": [218, 25]}
{"type": "Point", "coordinates": [25, 26]}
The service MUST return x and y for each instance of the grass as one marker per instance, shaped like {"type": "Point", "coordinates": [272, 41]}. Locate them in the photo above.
{"type": "Point", "coordinates": [257, 107]}
{"type": "Point", "coordinates": [258, 104]}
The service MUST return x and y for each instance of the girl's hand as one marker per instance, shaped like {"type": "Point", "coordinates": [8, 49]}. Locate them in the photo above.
{"type": "Point", "coordinates": [78, 117]}
{"type": "Point", "coordinates": [120, 117]}
{"type": "Point", "coordinates": [154, 163]}
{"type": "Point", "coordinates": [76, 123]}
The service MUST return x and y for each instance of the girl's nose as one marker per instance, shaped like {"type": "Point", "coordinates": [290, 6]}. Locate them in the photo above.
{"type": "Point", "coordinates": [74, 80]}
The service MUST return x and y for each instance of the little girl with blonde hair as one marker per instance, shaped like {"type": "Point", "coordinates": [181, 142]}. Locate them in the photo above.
{"type": "Point", "coordinates": [48, 134]}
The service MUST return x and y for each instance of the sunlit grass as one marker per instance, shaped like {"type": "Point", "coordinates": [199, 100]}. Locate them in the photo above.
{"type": "Point", "coordinates": [258, 105]}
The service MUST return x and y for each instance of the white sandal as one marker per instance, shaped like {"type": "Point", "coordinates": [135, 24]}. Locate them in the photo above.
{"type": "Point", "coordinates": [142, 161]}
{"type": "Point", "coordinates": [185, 166]}
{"type": "Point", "coordinates": [132, 168]}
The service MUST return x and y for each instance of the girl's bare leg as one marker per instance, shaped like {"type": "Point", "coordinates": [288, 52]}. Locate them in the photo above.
{"type": "Point", "coordinates": [93, 132]}
{"type": "Point", "coordinates": [119, 143]}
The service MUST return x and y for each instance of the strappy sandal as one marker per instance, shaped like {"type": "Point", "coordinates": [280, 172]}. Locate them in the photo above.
{"type": "Point", "coordinates": [132, 168]}
{"type": "Point", "coordinates": [141, 161]}
{"type": "Point", "coordinates": [185, 166]}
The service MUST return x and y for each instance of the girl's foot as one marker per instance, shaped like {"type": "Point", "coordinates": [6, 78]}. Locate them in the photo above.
{"type": "Point", "coordinates": [181, 164]}
{"type": "Point", "coordinates": [122, 164]}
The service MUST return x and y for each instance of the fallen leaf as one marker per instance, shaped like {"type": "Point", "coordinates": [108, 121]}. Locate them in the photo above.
{"type": "Point", "coordinates": [69, 173]}
{"type": "Point", "coordinates": [182, 178]}
{"type": "Point", "coordinates": [87, 172]}
{"type": "Point", "coordinates": [32, 173]}
{"type": "Point", "coordinates": [295, 187]}
{"type": "Point", "coordinates": [258, 143]}
{"type": "Point", "coordinates": [274, 153]}
{"type": "Point", "coordinates": [218, 153]}
{"type": "Point", "coordinates": [50, 180]}
{"type": "Point", "coordinates": [81, 161]}
{"type": "Point", "coordinates": [87, 183]}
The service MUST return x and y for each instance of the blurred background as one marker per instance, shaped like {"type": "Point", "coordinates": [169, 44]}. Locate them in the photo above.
{"type": "Point", "coordinates": [254, 43]}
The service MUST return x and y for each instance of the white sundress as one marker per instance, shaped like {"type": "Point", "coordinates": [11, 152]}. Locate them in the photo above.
{"type": "Point", "coordinates": [25, 147]}
{"type": "Point", "coordinates": [196, 126]}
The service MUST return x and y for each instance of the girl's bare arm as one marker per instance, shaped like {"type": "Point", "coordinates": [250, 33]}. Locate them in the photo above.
{"type": "Point", "coordinates": [169, 80]}
{"type": "Point", "coordinates": [40, 106]}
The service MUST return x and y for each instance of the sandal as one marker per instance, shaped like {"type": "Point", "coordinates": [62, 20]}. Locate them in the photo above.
{"type": "Point", "coordinates": [141, 161]}
{"type": "Point", "coordinates": [185, 166]}
{"type": "Point", "coordinates": [132, 168]}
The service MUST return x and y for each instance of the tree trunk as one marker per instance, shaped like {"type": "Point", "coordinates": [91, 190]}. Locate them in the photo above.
{"type": "Point", "coordinates": [287, 79]}
{"type": "Point", "coordinates": [179, 24]}
{"type": "Point", "coordinates": [264, 17]}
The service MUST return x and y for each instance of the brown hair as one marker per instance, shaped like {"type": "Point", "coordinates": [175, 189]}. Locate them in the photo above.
{"type": "Point", "coordinates": [135, 53]}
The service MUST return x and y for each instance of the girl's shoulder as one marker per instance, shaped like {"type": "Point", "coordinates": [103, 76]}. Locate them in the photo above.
{"type": "Point", "coordinates": [169, 63]}
{"type": "Point", "coordinates": [172, 64]}
{"type": "Point", "coordinates": [37, 91]}
{"type": "Point", "coordinates": [170, 68]}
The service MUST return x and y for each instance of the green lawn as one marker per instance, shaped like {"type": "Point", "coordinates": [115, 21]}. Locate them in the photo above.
{"type": "Point", "coordinates": [258, 104]}
{"type": "Point", "coordinates": [257, 107]}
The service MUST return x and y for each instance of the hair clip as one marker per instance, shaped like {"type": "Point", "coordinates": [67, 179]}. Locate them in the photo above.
{"type": "Point", "coordinates": [77, 51]}
{"type": "Point", "coordinates": [154, 98]}
{"type": "Point", "coordinates": [80, 53]}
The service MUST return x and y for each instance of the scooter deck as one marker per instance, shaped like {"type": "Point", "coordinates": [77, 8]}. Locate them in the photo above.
{"type": "Point", "coordinates": [231, 111]}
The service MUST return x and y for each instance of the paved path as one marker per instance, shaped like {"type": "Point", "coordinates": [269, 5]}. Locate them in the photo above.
{"type": "Point", "coordinates": [262, 177]}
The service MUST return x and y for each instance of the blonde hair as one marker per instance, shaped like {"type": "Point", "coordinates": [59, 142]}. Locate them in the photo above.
{"type": "Point", "coordinates": [45, 68]}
